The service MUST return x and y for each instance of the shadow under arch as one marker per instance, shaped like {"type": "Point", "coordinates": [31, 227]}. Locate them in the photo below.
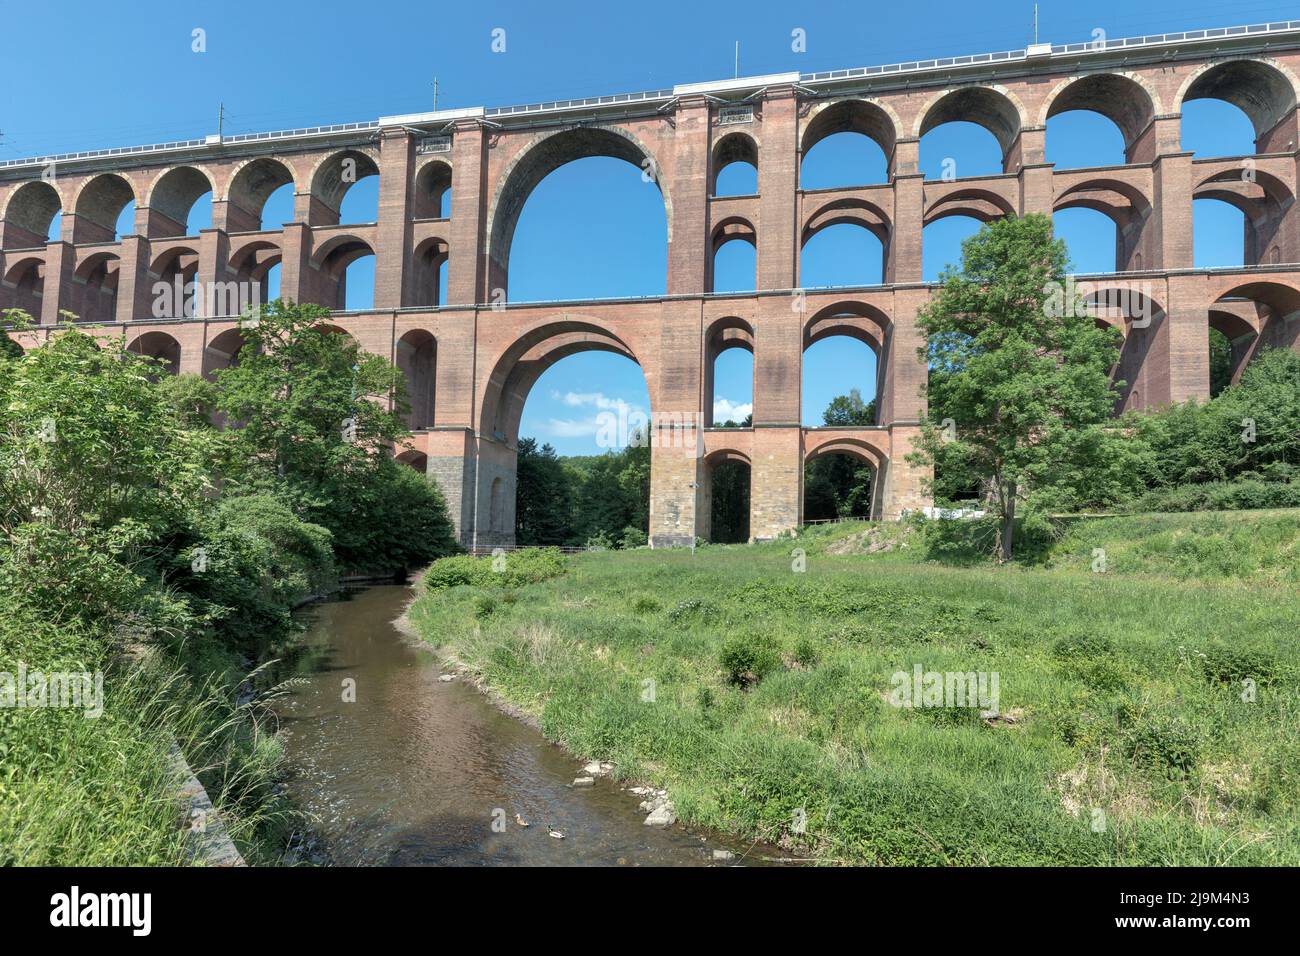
{"type": "Point", "coordinates": [1274, 308]}
{"type": "Point", "coordinates": [852, 116]}
{"type": "Point", "coordinates": [1126, 205]}
{"type": "Point", "coordinates": [1121, 99]}
{"type": "Point", "coordinates": [160, 346]}
{"type": "Point", "coordinates": [1265, 201]}
{"type": "Point", "coordinates": [982, 205]}
{"type": "Point", "coordinates": [1141, 320]}
{"type": "Point", "coordinates": [172, 196]}
{"type": "Point", "coordinates": [985, 106]}
{"type": "Point", "coordinates": [1261, 90]}
{"type": "Point", "coordinates": [708, 524]}
{"type": "Point", "coordinates": [734, 147]}
{"type": "Point", "coordinates": [544, 155]}
{"type": "Point", "coordinates": [29, 213]}
{"type": "Point", "coordinates": [98, 204]}
{"type": "Point", "coordinates": [250, 188]}
{"type": "Point", "coordinates": [820, 443]}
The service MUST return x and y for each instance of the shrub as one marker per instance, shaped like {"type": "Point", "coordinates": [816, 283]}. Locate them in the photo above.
{"type": "Point", "coordinates": [252, 564]}
{"type": "Point", "coordinates": [748, 658]}
{"type": "Point", "coordinates": [1165, 743]}
{"type": "Point", "coordinates": [517, 569]}
{"type": "Point", "coordinates": [633, 538]}
{"type": "Point", "coordinates": [600, 541]}
{"type": "Point", "coordinates": [645, 605]}
{"type": "Point", "coordinates": [806, 651]}
{"type": "Point", "coordinates": [1231, 663]}
{"type": "Point", "coordinates": [1240, 495]}
{"type": "Point", "coordinates": [688, 612]}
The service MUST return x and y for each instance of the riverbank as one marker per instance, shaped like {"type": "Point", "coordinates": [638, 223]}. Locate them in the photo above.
{"type": "Point", "coordinates": [396, 764]}
{"type": "Point", "coordinates": [755, 686]}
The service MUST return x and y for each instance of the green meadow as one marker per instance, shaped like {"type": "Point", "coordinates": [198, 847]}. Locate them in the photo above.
{"type": "Point", "coordinates": [1146, 668]}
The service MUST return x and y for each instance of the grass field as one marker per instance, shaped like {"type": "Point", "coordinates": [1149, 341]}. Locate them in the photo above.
{"type": "Point", "coordinates": [759, 693]}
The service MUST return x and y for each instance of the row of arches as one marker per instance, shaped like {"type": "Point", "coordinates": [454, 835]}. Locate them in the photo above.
{"type": "Point", "coordinates": [415, 355]}
{"type": "Point", "coordinates": [855, 142]}
{"type": "Point", "coordinates": [261, 195]}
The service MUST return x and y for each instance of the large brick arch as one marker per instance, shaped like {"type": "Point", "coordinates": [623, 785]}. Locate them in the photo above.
{"type": "Point", "coordinates": [98, 203]}
{"type": "Point", "coordinates": [1126, 99]}
{"type": "Point", "coordinates": [530, 353]}
{"type": "Point", "coordinates": [540, 157]}
{"type": "Point", "coordinates": [993, 106]}
{"type": "Point", "coordinates": [1263, 88]}
{"type": "Point", "coordinates": [872, 118]}
{"type": "Point", "coordinates": [333, 175]}
{"type": "Point", "coordinates": [28, 212]}
{"type": "Point", "coordinates": [172, 195]}
{"type": "Point", "coordinates": [251, 183]}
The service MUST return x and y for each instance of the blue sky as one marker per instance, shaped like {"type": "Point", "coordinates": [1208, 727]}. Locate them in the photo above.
{"type": "Point", "coordinates": [128, 74]}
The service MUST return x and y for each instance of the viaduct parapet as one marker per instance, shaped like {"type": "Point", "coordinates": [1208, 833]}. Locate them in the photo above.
{"type": "Point", "coordinates": [470, 360]}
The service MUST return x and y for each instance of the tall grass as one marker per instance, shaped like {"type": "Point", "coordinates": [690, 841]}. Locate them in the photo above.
{"type": "Point", "coordinates": [80, 791]}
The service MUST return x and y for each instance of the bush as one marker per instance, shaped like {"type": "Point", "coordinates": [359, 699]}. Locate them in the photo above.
{"type": "Point", "coordinates": [748, 658]}
{"type": "Point", "coordinates": [645, 605]}
{"type": "Point", "coordinates": [600, 541]}
{"type": "Point", "coordinates": [633, 538]}
{"type": "Point", "coordinates": [516, 569]}
{"type": "Point", "coordinates": [1231, 663]}
{"type": "Point", "coordinates": [1167, 744]}
{"type": "Point", "coordinates": [806, 652]}
{"type": "Point", "coordinates": [1240, 495]}
{"type": "Point", "coordinates": [390, 518]}
{"type": "Point", "coordinates": [252, 564]}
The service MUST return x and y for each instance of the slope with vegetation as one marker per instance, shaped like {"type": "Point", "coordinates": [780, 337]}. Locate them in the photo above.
{"type": "Point", "coordinates": [142, 542]}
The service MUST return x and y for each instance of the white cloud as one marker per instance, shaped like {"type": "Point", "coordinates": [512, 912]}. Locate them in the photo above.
{"type": "Point", "coordinates": [593, 400]}
{"type": "Point", "coordinates": [725, 410]}
{"type": "Point", "coordinates": [571, 428]}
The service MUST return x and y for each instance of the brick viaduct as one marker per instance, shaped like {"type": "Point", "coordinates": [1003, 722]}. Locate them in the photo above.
{"type": "Point", "coordinates": [471, 360]}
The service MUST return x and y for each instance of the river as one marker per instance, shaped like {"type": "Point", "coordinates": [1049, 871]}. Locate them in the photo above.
{"type": "Point", "coordinates": [415, 771]}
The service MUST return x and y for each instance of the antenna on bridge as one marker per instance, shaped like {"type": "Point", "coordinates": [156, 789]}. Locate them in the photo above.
{"type": "Point", "coordinates": [221, 118]}
{"type": "Point", "coordinates": [435, 94]}
{"type": "Point", "coordinates": [737, 73]}
{"type": "Point", "coordinates": [1035, 24]}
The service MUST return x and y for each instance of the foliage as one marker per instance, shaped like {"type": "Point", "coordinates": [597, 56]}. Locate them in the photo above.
{"type": "Point", "coordinates": [578, 500]}
{"type": "Point", "coordinates": [730, 503]}
{"type": "Point", "coordinates": [516, 569]}
{"type": "Point", "coordinates": [1250, 430]}
{"type": "Point", "coordinates": [544, 500]}
{"type": "Point", "coordinates": [316, 429]}
{"type": "Point", "coordinates": [1022, 374]}
{"type": "Point", "coordinates": [850, 409]}
{"type": "Point", "coordinates": [747, 658]}
{"type": "Point", "coordinates": [128, 520]}
{"type": "Point", "coordinates": [252, 562]}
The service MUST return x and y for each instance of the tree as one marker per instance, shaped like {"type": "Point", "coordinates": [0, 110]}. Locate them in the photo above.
{"type": "Point", "coordinates": [315, 428]}
{"type": "Point", "coordinates": [1020, 391]}
{"type": "Point", "coordinates": [544, 496]}
{"type": "Point", "coordinates": [17, 318]}
{"type": "Point", "coordinates": [838, 486]}
{"type": "Point", "coordinates": [850, 409]}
